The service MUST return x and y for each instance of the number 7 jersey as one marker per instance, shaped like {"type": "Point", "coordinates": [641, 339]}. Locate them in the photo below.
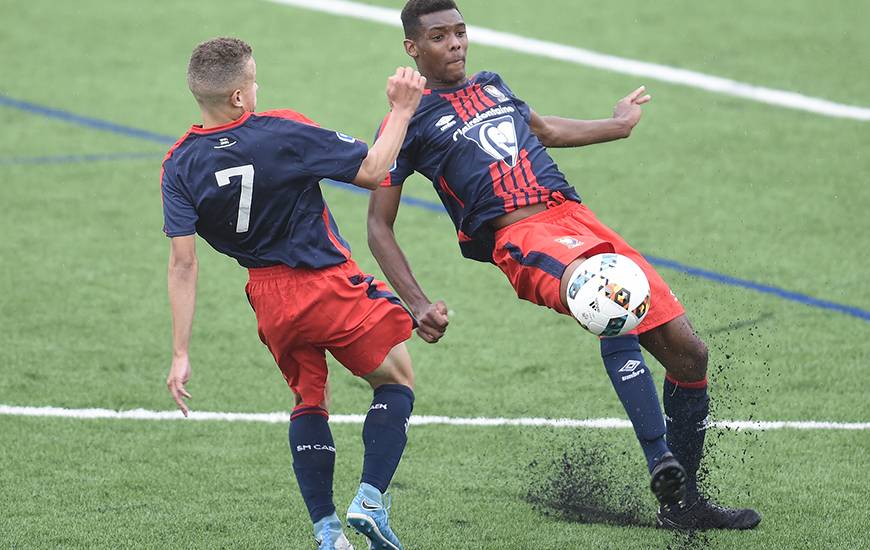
{"type": "Point", "coordinates": [251, 189]}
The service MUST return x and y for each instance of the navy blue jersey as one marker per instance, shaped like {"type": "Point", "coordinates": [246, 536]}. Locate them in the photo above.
{"type": "Point", "coordinates": [251, 189]}
{"type": "Point", "coordinates": [474, 143]}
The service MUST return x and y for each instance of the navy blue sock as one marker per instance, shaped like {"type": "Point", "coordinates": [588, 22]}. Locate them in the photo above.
{"type": "Point", "coordinates": [385, 433]}
{"type": "Point", "coordinates": [313, 461]}
{"type": "Point", "coordinates": [686, 408]}
{"type": "Point", "coordinates": [634, 385]}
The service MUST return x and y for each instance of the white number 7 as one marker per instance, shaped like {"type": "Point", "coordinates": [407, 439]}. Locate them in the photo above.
{"type": "Point", "coordinates": [247, 173]}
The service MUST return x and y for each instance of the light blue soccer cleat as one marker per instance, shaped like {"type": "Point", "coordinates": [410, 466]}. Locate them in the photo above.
{"type": "Point", "coordinates": [328, 534]}
{"type": "Point", "coordinates": [368, 515]}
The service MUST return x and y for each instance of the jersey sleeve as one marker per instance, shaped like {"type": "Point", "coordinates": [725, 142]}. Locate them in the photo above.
{"type": "Point", "coordinates": [179, 215]}
{"type": "Point", "coordinates": [328, 154]}
{"type": "Point", "coordinates": [404, 164]}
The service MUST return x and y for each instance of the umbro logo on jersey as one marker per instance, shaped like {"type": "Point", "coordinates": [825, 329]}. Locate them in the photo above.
{"type": "Point", "coordinates": [369, 506]}
{"type": "Point", "coordinates": [223, 143]}
{"type": "Point", "coordinates": [446, 122]}
{"type": "Point", "coordinates": [497, 137]}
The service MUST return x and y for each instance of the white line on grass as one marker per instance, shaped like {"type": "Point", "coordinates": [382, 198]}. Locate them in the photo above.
{"type": "Point", "coordinates": [281, 418]}
{"type": "Point", "coordinates": [580, 56]}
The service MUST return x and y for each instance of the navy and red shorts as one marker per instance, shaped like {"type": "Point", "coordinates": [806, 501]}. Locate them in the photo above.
{"type": "Point", "coordinates": [535, 251]}
{"type": "Point", "coordinates": [303, 313]}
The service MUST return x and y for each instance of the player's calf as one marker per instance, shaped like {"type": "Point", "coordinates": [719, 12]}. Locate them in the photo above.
{"type": "Point", "coordinates": [313, 451]}
{"type": "Point", "coordinates": [632, 380]}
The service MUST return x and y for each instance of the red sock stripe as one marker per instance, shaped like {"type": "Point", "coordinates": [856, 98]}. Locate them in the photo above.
{"type": "Point", "coordinates": [303, 409]}
{"type": "Point", "coordinates": [700, 384]}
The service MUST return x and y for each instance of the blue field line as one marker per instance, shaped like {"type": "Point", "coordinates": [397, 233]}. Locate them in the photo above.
{"type": "Point", "coordinates": [94, 123]}
{"type": "Point", "coordinates": [758, 287]}
{"type": "Point", "coordinates": [68, 159]}
{"type": "Point", "coordinates": [98, 124]}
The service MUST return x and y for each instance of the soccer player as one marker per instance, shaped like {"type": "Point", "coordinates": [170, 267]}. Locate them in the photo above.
{"type": "Point", "coordinates": [249, 185]}
{"type": "Point", "coordinates": [484, 150]}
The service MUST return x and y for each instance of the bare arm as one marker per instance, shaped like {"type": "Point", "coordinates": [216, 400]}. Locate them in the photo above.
{"type": "Point", "coordinates": [565, 132]}
{"type": "Point", "coordinates": [383, 207]}
{"type": "Point", "coordinates": [404, 90]}
{"type": "Point", "coordinates": [181, 277]}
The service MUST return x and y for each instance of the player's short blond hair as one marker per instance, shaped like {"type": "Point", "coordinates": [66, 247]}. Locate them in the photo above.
{"type": "Point", "coordinates": [217, 67]}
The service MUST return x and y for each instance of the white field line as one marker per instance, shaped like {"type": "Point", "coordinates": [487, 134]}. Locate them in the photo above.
{"type": "Point", "coordinates": [283, 418]}
{"type": "Point", "coordinates": [580, 56]}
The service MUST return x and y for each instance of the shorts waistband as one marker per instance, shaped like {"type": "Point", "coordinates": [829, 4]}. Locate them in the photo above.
{"type": "Point", "coordinates": [552, 213]}
{"type": "Point", "coordinates": [282, 271]}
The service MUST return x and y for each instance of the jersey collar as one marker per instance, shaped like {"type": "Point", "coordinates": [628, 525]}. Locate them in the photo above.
{"type": "Point", "coordinates": [198, 129]}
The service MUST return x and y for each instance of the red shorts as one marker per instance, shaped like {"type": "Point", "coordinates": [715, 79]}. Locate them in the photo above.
{"type": "Point", "coordinates": [302, 313]}
{"type": "Point", "coordinates": [534, 253]}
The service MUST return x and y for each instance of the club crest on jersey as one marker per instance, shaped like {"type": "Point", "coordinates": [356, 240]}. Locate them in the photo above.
{"type": "Point", "coordinates": [495, 92]}
{"type": "Point", "coordinates": [497, 137]}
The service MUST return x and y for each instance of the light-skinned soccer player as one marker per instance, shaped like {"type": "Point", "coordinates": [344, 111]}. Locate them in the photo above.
{"type": "Point", "coordinates": [248, 184]}
{"type": "Point", "coordinates": [485, 152]}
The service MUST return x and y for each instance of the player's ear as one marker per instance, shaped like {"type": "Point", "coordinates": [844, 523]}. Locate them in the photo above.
{"type": "Point", "coordinates": [411, 48]}
{"type": "Point", "coordinates": [236, 99]}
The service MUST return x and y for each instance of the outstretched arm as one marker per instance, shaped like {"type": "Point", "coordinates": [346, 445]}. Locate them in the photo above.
{"type": "Point", "coordinates": [383, 207]}
{"type": "Point", "coordinates": [565, 132]}
{"type": "Point", "coordinates": [182, 299]}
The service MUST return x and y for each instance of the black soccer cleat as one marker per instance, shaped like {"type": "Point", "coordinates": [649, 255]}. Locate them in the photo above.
{"type": "Point", "coordinates": [668, 482]}
{"type": "Point", "coordinates": [702, 514]}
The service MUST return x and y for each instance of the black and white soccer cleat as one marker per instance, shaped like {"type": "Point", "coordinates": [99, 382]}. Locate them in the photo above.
{"type": "Point", "coordinates": [701, 514]}
{"type": "Point", "coordinates": [668, 482]}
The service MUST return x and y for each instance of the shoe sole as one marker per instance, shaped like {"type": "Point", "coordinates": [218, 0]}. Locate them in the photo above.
{"type": "Point", "coordinates": [664, 523]}
{"type": "Point", "coordinates": [669, 485]}
{"type": "Point", "coordinates": [367, 527]}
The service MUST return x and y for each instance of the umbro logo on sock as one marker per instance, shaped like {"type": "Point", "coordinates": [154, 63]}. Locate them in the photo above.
{"type": "Point", "coordinates": [634, 374]}
{"type": "Point", "coordinates": [630, 365]}
{"type": "Point", "coordinates": [369, 506]}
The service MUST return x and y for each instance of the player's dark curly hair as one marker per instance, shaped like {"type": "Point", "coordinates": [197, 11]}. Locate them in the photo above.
{"type": "Point", "coordinates": [217, 67]}
{"type": "Point", "coordinates": [414, 9]}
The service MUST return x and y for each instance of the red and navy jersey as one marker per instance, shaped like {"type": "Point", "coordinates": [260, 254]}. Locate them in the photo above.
{"type": "Point", "coordinates": [251, 189]}
{"type": "Point", "coordinates": [475, 144]}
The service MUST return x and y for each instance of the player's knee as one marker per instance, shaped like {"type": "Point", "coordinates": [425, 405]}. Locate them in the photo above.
{"type": "Point", "coordinates": [566, 279]}
{"type": "Point", "coordinates": [381, 376]}
{"type": "Point", "coordinates": [395, 369]}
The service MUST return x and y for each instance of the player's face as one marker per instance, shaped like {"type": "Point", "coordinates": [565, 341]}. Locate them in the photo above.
{"type": "Point", "coordinates": [248, 91]}
{"type": "Point", "coordinates": [440, 49]}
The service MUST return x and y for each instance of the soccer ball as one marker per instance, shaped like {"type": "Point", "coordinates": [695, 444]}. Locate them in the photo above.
{"type": "Point", "coordinates": [608, 294]}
